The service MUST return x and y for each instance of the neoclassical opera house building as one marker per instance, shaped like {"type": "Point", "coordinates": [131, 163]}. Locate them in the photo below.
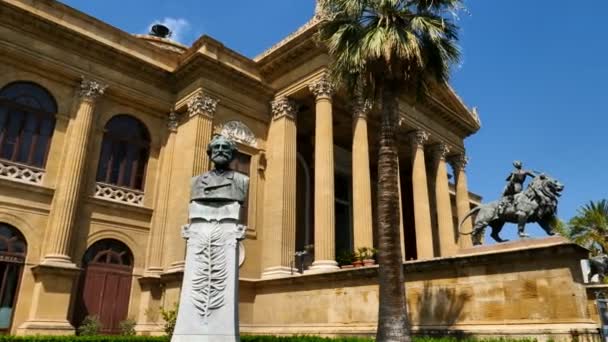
{"type": "Point", "coordinates": [101, 131]}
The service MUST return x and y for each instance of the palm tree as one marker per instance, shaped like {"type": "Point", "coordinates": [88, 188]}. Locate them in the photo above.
{"type": "Point", "coordinates": [589, 228]}
{"type": "Point", "coordinates": [382, 49]}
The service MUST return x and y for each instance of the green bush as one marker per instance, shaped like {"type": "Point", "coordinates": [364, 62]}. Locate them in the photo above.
{"type": "Point", "coordinates": [127, 327]}
{"type": "Point", "coordinates": [170, 316]}
{"type": "Point", "coordinates": [90, 326]}
{"type": "Point", "coordinates": [7, 338]}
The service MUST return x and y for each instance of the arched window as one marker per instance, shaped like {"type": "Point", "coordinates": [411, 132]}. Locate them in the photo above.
{"type": "Point", "coordinates": [12, 257]}
{"type": "Point", "coordinates": [124, 153]}
{"type": "Point", "coordinates": [27, 121]}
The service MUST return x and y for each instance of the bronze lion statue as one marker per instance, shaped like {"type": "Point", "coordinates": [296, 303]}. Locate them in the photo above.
{"type": "Point", "coordinates": [537, 203]}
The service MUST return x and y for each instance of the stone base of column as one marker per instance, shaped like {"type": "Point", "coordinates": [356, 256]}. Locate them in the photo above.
{"type": "Point", "coordinates": [279, 272]}
{"type": "Point", "coordinates": [46, 328]}
{"type": "Point", "coordinates": [322, 266]}
{"type": "Point", "coordinates": [59, 261]}
{"type": "Point", "coordinates": [52, 294]}
{"type": "Point", "coordinates": [175, 267]}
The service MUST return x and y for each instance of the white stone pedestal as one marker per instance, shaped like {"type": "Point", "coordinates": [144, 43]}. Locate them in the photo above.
{"type": "Point", "coordinates": [208, 308]}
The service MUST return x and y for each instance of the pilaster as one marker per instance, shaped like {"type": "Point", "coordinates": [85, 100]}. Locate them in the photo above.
{"type": "Point", "coordinates": [158, 229]}
{"type": "Point", "coordinates": [65, 201]}
{"type": "Point", "coordinates": [201, 109]}
{"type": "Point", "coordinates": [197, 130]}
{"type": "Point", "coordinates": [280, 194]}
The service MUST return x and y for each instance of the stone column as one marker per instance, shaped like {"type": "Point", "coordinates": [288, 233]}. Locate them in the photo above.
{"type": "Point", "coordinates": [422, 209]}
{"type": "Point", "coordinates": [325, 230]}
{"type": "Point", "coordinates": [54, 277]}
{"type": "Point", "coordinates": [69, 184]}
{"type": "Point", "coordinates": [202, 109]}
{"type": "Point", "coordinates": [154, 257]}
{"type": "Point", "coordinates": [362, 193]}
{"type": "Point", "coordinates": [280, 194]}
{"type": "Point", "coordinates": [445, 223]}
{"type": "Point", "coordinates": [463, 206]}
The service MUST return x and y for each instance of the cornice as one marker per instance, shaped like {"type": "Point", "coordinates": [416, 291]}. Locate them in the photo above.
{"type": "Point", "coordinates": [86, 25]}
{"type": "Point", "coordinates": [200, 65]}
{"type": "Point", "coordinates": [298, 47]}
{"type": "Point", "coordinates": [307, 27]}
{"type": "Point", "coordinates": [78, 44]}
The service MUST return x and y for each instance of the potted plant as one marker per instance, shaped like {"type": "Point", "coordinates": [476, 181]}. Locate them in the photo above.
{"type": "Point", "coordinates": [366, 255]}
{"type": "Point", "coordinates": [345, 259]}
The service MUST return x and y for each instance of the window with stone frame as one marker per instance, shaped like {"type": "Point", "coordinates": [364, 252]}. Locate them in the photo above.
{"type": "Point", "coordinates": [242, 164]}
{"type": "Point", "coordinates": [27, 122]}
{"type": "Point", "coordinates": [124, 153]}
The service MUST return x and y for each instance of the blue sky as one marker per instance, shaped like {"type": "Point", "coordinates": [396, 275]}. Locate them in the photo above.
{"type": "Point", "coordinates": [537, 71]}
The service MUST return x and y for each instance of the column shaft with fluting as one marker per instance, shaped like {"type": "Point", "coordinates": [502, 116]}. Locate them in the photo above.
{"type": "Point", "coordinates": [201, 108]}
{"type": "Point", "coordinates": [445, 223]}
{"type": "Point", "coordinates": [422, 209]}
{"type": "Point", "coordinates": [463, 205]}
{"type": "Point", "coordinates": [66, 198]}
{"type": "Point", "coordinates": [325, 230]}
{"type": "Point", "coordinates": [199, 124]}
{"type": "Point", "coordinates": [280, 194]}
{"type": "Point", "coordinates": [158, 229]}
{"type": "Point", "coordinates": [362, 193]}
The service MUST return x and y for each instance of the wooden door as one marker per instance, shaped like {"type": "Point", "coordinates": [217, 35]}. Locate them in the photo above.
{"type": "Point", "coordinates": [106, 288]}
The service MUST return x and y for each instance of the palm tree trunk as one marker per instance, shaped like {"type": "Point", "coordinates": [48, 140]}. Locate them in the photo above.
{"type": "Point", "coordinates": [392, 316]}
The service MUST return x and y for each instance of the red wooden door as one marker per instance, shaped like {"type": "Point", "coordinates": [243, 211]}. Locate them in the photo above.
{"type": "Point", "coordinates": [106, 295]}
{"type": "Point", "coordinates": [106, 288]}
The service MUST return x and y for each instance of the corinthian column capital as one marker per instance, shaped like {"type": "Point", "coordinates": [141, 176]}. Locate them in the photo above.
{"type": "Point", "coordinates": [283, 106]}
{"type": "Point", "coordinates": [91, 89]}
{"type": "Point", "coordinates": [173, 121]}
{"type": "Point", "coordinates": [419, 138]}
{"type": "Point", "coordinates": [202, 104]}
{"type": "Point", "coordinates": [459, 161]}
{"type": "Point", "coordinates": [361, 108]}
{"type": "Point", "coordinates": [441, 151]}
{"type": "Point", "coordinates": [322, 87]}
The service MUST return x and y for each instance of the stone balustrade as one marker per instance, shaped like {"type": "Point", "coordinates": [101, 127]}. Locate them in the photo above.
{"type": "Point", "coordinates": [20, 172]}
{"type": "Point", "coordinates": [119, 194]}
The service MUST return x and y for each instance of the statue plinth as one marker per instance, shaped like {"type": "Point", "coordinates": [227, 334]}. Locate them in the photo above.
{"type": "Point", "coordinates": [208, 307]}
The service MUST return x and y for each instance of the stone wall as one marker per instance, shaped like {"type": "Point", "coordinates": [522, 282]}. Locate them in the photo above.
{"type": "Point", "coordinates": [531, 288]}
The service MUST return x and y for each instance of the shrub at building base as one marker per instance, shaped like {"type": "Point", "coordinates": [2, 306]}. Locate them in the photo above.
{"type": "Point", "coordinates": [6, 338]}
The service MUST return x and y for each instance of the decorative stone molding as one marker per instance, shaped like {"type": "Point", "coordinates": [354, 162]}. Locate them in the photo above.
{"type": "Point", "coordinates": [173, 122]}
{"type": "Point", "coordinates": [459, 161]}
{"type": "Point", "coordinates": [441, 151]}
{"type": "Point", "coordinates": [91, 89]}
{"type": "Point", "coordinates": [201, 104]}
{"type": "Point", "coordinates": [21, 173]}
{"type": "Point", "coordinates": [419, 138]}
{"type": "Point", "coordinates": [283, 106]}
{"type": "Point", "coordinates": [119, 194]}
{"type": "Point", "coordinates": [322, 87]}
{"type": "Point", "coordinates": [475, 114]}
{"type": "Point", "coordinates": [239, 132]}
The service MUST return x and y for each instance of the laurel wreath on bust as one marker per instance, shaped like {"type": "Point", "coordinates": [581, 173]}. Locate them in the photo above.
{"type": "Point", "coordinates": [211, 273]}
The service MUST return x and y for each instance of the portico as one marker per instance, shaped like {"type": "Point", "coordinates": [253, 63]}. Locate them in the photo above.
{"type": "Point", "coordinates": [321, 156]}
